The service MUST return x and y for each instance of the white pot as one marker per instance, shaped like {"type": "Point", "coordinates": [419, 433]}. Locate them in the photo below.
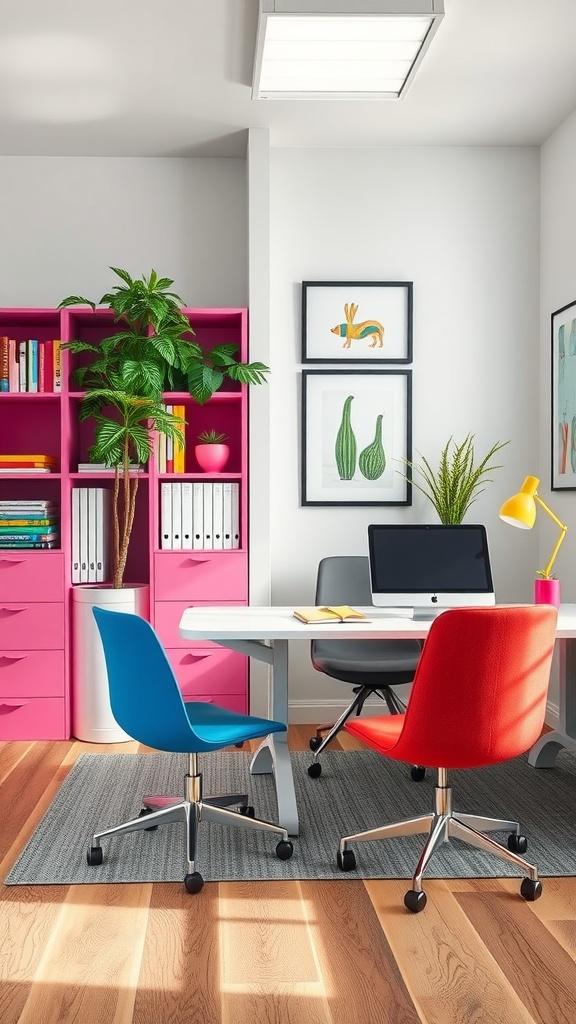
{"type": "Point", "coordinates": [92, 718]}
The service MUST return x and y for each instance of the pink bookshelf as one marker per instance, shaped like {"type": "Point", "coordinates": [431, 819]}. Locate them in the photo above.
{"type": "Point", "coordinates": [36, 684]}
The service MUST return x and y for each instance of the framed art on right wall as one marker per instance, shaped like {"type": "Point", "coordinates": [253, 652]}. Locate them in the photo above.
{"type": "Point", "coordinates": [564, 398]}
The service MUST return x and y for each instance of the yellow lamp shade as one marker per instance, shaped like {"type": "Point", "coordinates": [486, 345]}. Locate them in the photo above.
{"type": "Point", "coordinates": [520, 510]}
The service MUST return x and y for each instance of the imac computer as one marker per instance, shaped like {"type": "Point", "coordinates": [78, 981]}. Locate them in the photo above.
{"type": "Point", "coordinates": [429, 568]}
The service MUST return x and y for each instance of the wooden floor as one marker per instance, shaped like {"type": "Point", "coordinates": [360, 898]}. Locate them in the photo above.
{"type": "Point", "coordinates": [327, 952]}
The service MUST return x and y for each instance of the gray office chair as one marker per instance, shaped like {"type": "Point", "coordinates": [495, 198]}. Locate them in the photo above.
{"type": "Point", "coordinates": [373, 667]}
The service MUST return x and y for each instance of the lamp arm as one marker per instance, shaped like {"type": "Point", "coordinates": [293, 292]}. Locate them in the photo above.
{"type": "Point", "coordinates": [563, 529]}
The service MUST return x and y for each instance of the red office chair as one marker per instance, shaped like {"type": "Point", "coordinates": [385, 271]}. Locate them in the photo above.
{"type": "Point", "coordinates": [478, 697]}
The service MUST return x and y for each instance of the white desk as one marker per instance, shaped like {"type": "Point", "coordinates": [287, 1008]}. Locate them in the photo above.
{"type": "Point", "coordinates": [264, 634]}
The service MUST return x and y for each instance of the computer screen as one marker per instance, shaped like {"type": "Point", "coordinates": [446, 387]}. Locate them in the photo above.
{"type": "Point", "coordinates": [429, 567]}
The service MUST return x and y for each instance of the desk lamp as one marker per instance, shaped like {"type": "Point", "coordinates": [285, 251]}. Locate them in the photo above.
{"type": "Point", "coordinates": [520, 510]}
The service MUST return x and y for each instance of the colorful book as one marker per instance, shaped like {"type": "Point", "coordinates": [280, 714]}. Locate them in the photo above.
{"type": "Point", "coordinates": [23, 364]}
{"type": "Point", "coordinates": [47, 347]}
{"type": "Point", "coordinates": [25, 530]}
{"type": "Point", "coordinates": [179, 453]}
{"type": "Point", "coordinates": [42, 459]}
{"type": "Point", "coordinates": [57, 365]}
{"type": "Point", "coordinates": [4, 365]}
{"type": "Point", "coordinates": [13, 366]}
{"type": "Point", "coordinates": [28, 521]}
{"type": "Point", "coordinates": [32, 364]}
{"type": "Point", "coordinates": [27, 546]}
{"type": "Point", "coordinates": [28, 537]}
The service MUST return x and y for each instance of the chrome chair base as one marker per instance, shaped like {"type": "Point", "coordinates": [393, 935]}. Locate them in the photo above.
{"type": "Point", "coordinates": [192, 808]}
{"type": "Point", "coordinates": [442, 825]}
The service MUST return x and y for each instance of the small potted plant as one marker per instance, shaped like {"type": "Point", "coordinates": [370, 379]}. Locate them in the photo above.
{"type": "Point", "coordinates": [211, 451]}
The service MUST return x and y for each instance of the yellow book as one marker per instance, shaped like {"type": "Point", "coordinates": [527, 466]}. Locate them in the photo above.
{"type": "Point", "coordinates": [330, 613]}
{"type": "Point", "coordinates": [179, 456]}
{"type": "Point", "coordinates": [57, 365]}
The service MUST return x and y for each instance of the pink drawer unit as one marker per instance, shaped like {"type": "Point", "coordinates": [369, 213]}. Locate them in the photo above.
{"type": "Point", "coordinates": [40, 718]}
{"type": "Point", "coordinates": [32, 673]}
{"type": "Point", "coordinates": [167, 615]}
{"type": "Point", "coordinates": [31, 626]}
{"type": "Point", "coordinates": [201, 576]}
{"type": "Point", "coordinates": [209, 670]}
{"type": "Point", "coordinates": [31, 575]}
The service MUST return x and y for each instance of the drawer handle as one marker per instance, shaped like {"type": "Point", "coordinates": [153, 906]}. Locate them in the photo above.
{"type": "Point", "coordinates": [191, 562]}
{"type": "Point", "coordinates": [6, 706]}
{"type": "Point", "coordinates": [7, 563]}
{"type": "Point", "coordinates": [191, 659]}
{"type": "Point", "coordinates": [6, 613]}
{"type": "Point", "coordinates": [5, 661]}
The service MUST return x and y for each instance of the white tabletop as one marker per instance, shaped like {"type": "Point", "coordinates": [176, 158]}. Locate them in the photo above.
{"type": "Point", "coordinates": [252, 622]}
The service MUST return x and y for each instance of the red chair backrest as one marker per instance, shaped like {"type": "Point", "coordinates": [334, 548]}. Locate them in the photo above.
{"type": "Point", "coordinates": [479, 694]}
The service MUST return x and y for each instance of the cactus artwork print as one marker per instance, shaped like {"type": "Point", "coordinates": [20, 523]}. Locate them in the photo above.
{"type": "Point", "coordinates": [355, 436]}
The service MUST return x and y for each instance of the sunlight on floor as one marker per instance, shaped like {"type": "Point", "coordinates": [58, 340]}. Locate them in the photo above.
{"type": "Point", "coordinates": [275, 953]}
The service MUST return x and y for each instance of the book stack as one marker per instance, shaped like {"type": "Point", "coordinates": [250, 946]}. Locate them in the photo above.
{"type": "Point", "coordinates": [101, 467]}
{"type": "Point", "coordinates": [91, 508]}
{"type": "Point", "coordinates": [29, 524]}
{"type": "Point", "coordinates": [171, 458]}
{"type": "Point", "coordinates": [199, 515]}
{"type": "Point", "coordinates": [30, 365]}
{"type": "Point", "coordinates": [28, 463]}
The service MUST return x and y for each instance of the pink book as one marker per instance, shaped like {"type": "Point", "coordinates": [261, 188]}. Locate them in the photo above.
{"type": "Point", "coordinates": [41, 367]}
{"type": "Point", "coordinates": [48, 366]}
{"type": "Point", "coordinates": [13, 366]}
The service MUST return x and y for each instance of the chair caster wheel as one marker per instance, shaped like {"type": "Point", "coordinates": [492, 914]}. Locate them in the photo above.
{"type": "Point", "coordinates": [517, 844]}
{"type": "Point", "coordinates": [284, 849]}
{"type": "Point", "coordinates": [193, 882]}
{"type": "Point", "coordinates": [239, 745]}
{"type": "Point", "coordinates": [415, 901]}
{"type": "Point", "coordinates": [314, 743]}
{"type": "Point", "coordinates": [94, 856]}
{"type": "Point", "coordinates": [143, 813]}
{"type": "Point", "coordinates": [315, 770]}
{"type": "Point", "coordinates": [346, 861]}
{"type": "Point", "coordinates": [417, 773]}
{"type": "Point", "coordinates": [247, 810]}
{"type": "Point", "coordinates": [531, 890]}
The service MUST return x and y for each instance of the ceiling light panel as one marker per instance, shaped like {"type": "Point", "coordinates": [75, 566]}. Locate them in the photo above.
{"type": "Point", "coordinates": [328, 56]}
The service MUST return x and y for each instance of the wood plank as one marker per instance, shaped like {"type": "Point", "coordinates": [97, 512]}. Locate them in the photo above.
{"type": "Point", "coordinates": [91, 960]}
{"type": "Point", "coordinates": [180, 976]}
{"type": "Point", "coordinates": [361, 978]}
{"type": "Point", "coordinates": [28, 788]}
{"type": "Point", "coordinates": [539, 969]}
{"type": "Point", "coordinates": [27, 916]}
{"type": "Point", "coordinates": [448, 971]}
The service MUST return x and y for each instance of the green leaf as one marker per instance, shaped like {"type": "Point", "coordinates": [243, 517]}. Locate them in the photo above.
{"type": "Point", "coordinates": [203, 381]}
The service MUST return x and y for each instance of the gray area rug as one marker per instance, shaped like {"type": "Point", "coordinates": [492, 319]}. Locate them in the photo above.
{"type": "Point", "coordinates": [357, 790]}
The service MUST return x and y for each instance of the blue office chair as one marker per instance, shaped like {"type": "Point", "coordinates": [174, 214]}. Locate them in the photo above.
{"type": "Point", "coordinates": [147, 703]}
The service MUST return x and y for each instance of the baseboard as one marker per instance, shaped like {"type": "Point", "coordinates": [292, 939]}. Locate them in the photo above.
{"type": "Point", "coordinates": [304, 712]}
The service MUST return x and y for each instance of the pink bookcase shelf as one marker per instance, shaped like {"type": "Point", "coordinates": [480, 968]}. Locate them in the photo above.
{"type": "Point", "coordinates": [36, 683]}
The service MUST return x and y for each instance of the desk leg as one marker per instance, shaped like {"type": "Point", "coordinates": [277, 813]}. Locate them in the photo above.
{"type": "Point", "coordinates": [273, 754]}
{"type": "Point", "coordinates": [544, 752]}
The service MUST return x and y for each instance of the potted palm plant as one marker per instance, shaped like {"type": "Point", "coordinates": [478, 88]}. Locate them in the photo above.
{"type": "Point", "coordinates": [150, 350]}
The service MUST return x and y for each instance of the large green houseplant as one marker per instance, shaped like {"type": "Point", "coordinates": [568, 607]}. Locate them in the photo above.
{"type": "Point", "coordinates": [457, 481]}
{"type": "Point", "coordinates": [151, 350]}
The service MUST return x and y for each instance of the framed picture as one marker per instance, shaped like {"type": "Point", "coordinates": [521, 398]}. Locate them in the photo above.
{"type": "Point", "coordinates": [356, 434]}
{"type": "Point", "coordinates": [356, 321]}
{"type": "Point", "coordinates": [564, 398]}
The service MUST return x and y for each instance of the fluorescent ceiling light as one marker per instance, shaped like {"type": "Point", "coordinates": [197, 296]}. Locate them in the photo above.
{"type": "Point", "coordinates": [341, 49]}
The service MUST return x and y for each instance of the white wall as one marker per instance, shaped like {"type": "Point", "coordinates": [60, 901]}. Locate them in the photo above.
{"type": "Point", "coordinates": [65, 220]}
{"type": "Point", "coordinates": [463, 225]}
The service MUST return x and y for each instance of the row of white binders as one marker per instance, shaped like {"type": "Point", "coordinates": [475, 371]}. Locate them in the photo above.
{"type": "Point", "coordinates": [90, 534]}
{"type": "Point", "coordinates": [199, 515]}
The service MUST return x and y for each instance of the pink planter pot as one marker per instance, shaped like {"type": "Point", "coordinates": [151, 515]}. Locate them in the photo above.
{"type": "Point", "coordinates": [212, 457]}
{"type": "Point", "coordinates": [547, 592]}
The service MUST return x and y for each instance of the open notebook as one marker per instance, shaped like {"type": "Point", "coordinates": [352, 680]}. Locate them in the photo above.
{"type": "Point", "coordinates": [330, 613]}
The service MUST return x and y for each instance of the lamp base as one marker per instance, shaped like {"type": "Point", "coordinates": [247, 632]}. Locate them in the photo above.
{"type": "Point", "coordinates": [547, 592]}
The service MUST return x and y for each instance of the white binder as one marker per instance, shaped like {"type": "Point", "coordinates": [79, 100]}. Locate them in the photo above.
{"type": "Point", "coordinates": [198, 515]}
{"type": "Point", "coordinates": [176, 516]}
{"type": "Point", "coordinates": [75, 535]}
{"type": "Point", "coordinates": [91, 532]}
{"type": "Point", "coordinates": [217, 515]}
{"type": "Point", "coordinates": [83, 520]}
{"type": "Point", "coordinates": [165, 515]}
{"type": "Point", "coordinates": [103, 506]}
{"type": "Point", "coordinates": [235, 515]}
{"type": "Point", "coordinates": [227, 514]}
{"type": "Point", "coordinates": [207, 515]}
{"type": "Point", "coordinates": [187, 515]}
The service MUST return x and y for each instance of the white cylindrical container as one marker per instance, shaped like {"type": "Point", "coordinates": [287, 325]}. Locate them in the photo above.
{"type": "Point", "coordinates": [92, 718]}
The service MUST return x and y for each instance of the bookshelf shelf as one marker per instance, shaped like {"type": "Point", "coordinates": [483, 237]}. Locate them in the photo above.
{"type": "Point", "coordinates": [41, 580]}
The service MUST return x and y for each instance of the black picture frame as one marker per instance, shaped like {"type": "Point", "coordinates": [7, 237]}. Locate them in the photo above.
{"type": "Point", "coordinates": [382, 334]}
{"type": "Point", "coordinates": [563, 398]}
{"type": "Point", "coordinates": [335, 471]}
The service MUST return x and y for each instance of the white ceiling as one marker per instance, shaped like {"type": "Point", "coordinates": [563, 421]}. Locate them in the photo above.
{"type": "Point", "coordinates": [173, 78]}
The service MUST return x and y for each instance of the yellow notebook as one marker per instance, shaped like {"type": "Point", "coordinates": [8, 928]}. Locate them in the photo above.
{"type": "Point", "coordinates": [330, 613]}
